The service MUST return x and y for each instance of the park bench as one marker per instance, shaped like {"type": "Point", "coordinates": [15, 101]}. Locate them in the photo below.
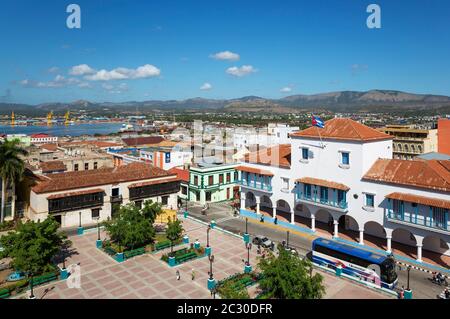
{"type": "Point", "coordinates": [162, 245]}
{"type": "Point", "coordinates": [44, 279]}
{"type": "Point", "coordinates": [186, 257]}
{"type": "Point", "coordinates": [4, 293]}
{"type": "Point", "coordinates": [110, 251]}
{"type": "Point", "coordinates": [134, 252]}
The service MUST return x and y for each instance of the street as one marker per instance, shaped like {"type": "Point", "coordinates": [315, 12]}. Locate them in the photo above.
{"type": "Point", "coordinates": [222, 213]}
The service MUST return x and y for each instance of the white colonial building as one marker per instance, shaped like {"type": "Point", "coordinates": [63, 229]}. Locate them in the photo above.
{"type": "Point", "coordinates": [83, 197]}
{"type": "Point", "coordinates": [344, 175]}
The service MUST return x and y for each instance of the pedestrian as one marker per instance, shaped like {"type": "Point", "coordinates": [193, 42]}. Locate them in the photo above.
{"type": "Point", "coordinates": [262, 219]}
{"type": "Point", "coordinates": [178, 275]}
{"type": "Point", "coordinates": [402, 293]}
{"type": "Point", "coordinates": [258, 251]}
{"type": "Point", "coordinates": [193, 274]}
{"type": "Point", "coordinates": [275, 220]}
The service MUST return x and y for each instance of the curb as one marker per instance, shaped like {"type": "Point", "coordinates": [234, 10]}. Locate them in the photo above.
{"type": "Point", "coordinates": [419, 268]}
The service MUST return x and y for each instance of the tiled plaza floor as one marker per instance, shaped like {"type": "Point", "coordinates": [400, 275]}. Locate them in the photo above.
{"type": "Point", "coordinates": [147, 276]}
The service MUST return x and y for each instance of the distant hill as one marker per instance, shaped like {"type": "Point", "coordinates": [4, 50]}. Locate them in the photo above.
{"type": "Point", "coordinates": [369, 101]}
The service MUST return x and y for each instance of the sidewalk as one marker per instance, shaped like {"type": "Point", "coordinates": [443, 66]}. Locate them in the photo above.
{"type": "Point", "coordinates": [308, 233]}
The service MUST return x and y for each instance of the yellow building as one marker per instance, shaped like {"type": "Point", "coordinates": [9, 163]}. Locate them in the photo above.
{"type": "Point", "coordinates": [409, 141]}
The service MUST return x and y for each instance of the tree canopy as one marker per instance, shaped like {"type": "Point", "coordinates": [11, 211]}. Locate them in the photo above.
{"type": "Point", "coordinates": [12, 167]}
{"type": "Point", "coordinates": [174, 231]}
{"type": "Point", "coordinates": [151, 210]}
{"type": "Point", "coordinates": [230, 290]}
{"type": "Point", "coordinates": [33, 245]}
{"type": "Point", "coordinates": [288, 277]}
{"type": "Point", "coordinates": [130, 229]}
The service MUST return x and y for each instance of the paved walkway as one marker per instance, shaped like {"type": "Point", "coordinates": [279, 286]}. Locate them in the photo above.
{"type": "Point", "coordinates": [147, 276]}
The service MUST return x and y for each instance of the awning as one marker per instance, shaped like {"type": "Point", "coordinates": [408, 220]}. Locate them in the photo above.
{"type": "Point", "coordinates": [322, 182]}
{"type": "Point", "coordinates": [89, 191]}
{"type": "Point", "coordinates": [423, 200]}
{"type": "Point", "coordinates": [254, 170]}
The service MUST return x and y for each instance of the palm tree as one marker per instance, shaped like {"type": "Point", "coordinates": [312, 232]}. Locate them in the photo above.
{"type": "Point", "coordinates": [12, 168]}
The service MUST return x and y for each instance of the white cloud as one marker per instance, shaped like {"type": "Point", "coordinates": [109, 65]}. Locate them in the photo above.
{"type": "Point", "coordinates": [241, 71]}
{"type": "Point", "coordinates": [206, 87]}
{"type": "Point", "coordinates": [85, 85]}
{"type": "Point", "coordinates": [286, 89]}
{"type": "Point", "coordinates": [115, 89]}
{"type": "Point", "coordinates": [142, 72]}
{"type": "Point", "coordinates": [225, 55]}
{"type": "Point", "coordinates": [58, 82]}
{"type": "Point", "coordinates": [81, 69]}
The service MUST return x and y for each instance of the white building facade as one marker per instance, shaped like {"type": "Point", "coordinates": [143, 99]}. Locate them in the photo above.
{"type": "Point", "coordinates": [344, 175]}
{"type": "Point", "coordinates": [85, 197]}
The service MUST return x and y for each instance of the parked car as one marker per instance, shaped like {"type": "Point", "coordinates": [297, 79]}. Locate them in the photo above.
{"type": "Point", "coordinates": [263, 241]}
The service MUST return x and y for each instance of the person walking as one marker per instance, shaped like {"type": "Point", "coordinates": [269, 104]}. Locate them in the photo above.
{"type": "Point", "coordinates": [401, 294]}
{"type": "Point", "coordinates": [193, 274]}
{"type": "Point", "coordinates": [275, 220]}
{"type": "Point", "coordinates": [178, 274]}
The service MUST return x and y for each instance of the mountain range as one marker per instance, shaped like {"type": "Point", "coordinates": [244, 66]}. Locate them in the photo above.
{"type": "Point", "coordinates": [342, 101]}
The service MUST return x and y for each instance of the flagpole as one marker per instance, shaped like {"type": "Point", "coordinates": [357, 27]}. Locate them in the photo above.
{"type": "Point", "coordinates": [318, 132]}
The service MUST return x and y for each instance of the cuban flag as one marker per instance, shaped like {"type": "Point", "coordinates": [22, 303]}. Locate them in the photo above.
{"type": "Point", "coordinates": [316, 121]}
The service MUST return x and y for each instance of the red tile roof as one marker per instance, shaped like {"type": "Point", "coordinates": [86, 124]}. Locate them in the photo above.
{"type": "Point", "coordinates": [431, 174]}
{"type": "Point", "coordinates": [343, 129]}
{"type": "Point", "coordinates": [155, 182]}
{"type": "Point", "coordinates": [103, 176]}
{"type": "Point", "coordinates": [182, 174]}
{"type": "Point", "coordinates": [322, 182]}
{"type": "Point", "coordinates": [89, 191]}
{"type": "Point", "coordinates": [52, 166]}
{"type": "Point", "coordinates": [99, 144]}
{"type": "Point", "coordinates": [254, 170]}
{"type": "Point", "coordinates": [39, 135]}
{"type": "Point", "coordinates": [278, 156]}
{"type": "Point", "coordinates": [146, 140]}
{"type": "Point", "coordinates": [442, 203]}
{"type": "Point", "coordinates": [49, 147]}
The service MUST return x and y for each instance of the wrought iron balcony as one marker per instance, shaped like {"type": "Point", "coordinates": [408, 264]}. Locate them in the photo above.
{"type": "Point", "coordinates": [341, 205]}
{"type": "Point", "coordinates": [116, 199]}
{"type": "Point", "coordinates": [256, 185]}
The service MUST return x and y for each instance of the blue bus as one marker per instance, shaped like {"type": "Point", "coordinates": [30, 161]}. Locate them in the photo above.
{"type": "Point", "coordinates": [355, 262]}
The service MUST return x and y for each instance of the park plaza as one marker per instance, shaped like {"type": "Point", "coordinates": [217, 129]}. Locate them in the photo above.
{"type": "Point", "coordinates": [342, 178]}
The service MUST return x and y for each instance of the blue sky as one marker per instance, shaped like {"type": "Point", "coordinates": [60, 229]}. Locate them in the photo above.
{"type": "Point", "coordinates": [165, 49]}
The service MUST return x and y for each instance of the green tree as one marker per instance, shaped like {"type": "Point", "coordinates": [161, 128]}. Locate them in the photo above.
{"type": "Point", "coordinates": [130, 229]}
{"type": "Point", "coordinates": [12, 168]}
{"type": "Point", "coordinates": [151, 210]}
{"type": "Point", "coordinates": [288, 277]}
{"type": "Point", "coordinates": [174, 232]}
{"type": "Point", "coordinates": [230, 290]}
{"type": "Point", "coordinates": [33, 245]}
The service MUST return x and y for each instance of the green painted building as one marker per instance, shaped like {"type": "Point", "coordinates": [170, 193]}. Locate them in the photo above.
{"type": "Point", "coordinates": [213, 182]}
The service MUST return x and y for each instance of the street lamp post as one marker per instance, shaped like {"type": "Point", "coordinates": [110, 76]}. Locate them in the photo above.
{"type": "Point", "coordinates": [208, 248]}
{"type": "Point", "coordinates": [99, 241]}
{"type": "Point", "coordinates": [211, 281]}
{"type": "Point", "coordinates": [246, 234]}
{"type": "Point", "coordinates": [31, 287]}
{"type": "Point", "coordinates": [407, 283]}
{"type": "Point", "coordinates": [80, 228]}
{"type": "Point", "coordinates": [287, 239]}
{"type": "Point", "coordinates": [248, 267]}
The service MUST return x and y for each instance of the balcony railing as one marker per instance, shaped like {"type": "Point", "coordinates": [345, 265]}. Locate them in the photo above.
{"type": "Point", "coordinates": [417, 219]}
{"type": "Point", "coordinates": [116, 199]}
{"type": "Point", "coordinates": [75, 202]}
{"type": "Point", "coordinates": [256, 185]}
{"type": "Point", "coordinates": [323, 201]}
